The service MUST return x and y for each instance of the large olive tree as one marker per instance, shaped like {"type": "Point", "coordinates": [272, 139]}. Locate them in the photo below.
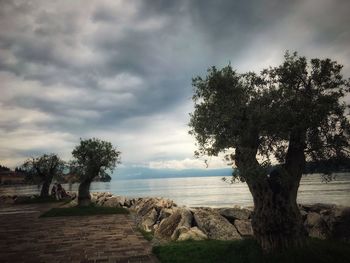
{"type": "Point", "coordinates": [93, 158]}
{"type": "Point", "coordinates": [43, 169]}
{"type": "Point", "coordinates": [269, 125]}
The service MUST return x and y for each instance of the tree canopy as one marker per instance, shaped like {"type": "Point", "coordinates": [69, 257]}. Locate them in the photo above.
{"type": "Point", "coordinates": [295, 96]}
{"type": "Point", "coordinates": [44, 168]}
{"type": "Point", "coordinates": [94, 157]}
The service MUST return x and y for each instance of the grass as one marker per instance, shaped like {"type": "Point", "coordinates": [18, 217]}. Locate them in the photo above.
{"type": "Point", "coordinates": [147, 235]}
{"type": "Point", "coordinates": [84, 211]}
{"type": "Point", "coordinates": [248, 251]}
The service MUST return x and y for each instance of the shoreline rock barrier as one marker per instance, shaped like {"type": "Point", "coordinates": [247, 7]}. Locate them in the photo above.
{"type": "Point", "coordinates": [170, 222]}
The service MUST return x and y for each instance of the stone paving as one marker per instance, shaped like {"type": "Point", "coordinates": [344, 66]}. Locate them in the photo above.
{"type": "Point", "coordinates": [24, 237]}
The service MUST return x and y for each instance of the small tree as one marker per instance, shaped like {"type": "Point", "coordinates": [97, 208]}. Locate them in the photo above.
{"type": "Point", "coordinates": [44, 168]}
{"type": "Point", "coordinates": [92, 159]}
{"type": "Point", "coordinates": [289, 114]}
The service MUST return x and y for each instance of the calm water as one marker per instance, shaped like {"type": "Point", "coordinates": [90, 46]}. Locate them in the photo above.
{"type": "Point", "coordinates": [209, 191]}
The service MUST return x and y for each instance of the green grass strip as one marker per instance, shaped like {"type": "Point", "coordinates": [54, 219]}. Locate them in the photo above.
{"type": "Point", "coordinates": [248, 251]}
{"type": "Point", "coordinates": [84, 211]}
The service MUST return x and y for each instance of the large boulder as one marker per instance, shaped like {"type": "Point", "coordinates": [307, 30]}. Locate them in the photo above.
{"type": "Point", "coordinates": [113, 201]}
{"type": "Point", "coordinates": [316, 226]}
{"type": "Point", "coordinates": [148, 220]}
{"type": "Point", "coordinates": [339, 223]}
{"type": "Point", "coordinates": [169, 228]}
{"type": "Point", "coordinates": [235, 213]}
{"type": "Point", "coordinates": [244, 227]}
{"type": "Point", "coordinates": [143, 206]}
{"type": "Point", "coordinates": [99, 198]}
{"type": "Point", "coordinates": [214, 225]}
{"type": "Point", "coordinates": [129, 202]}
{"type": "Point", "coordinates": [194, 233]}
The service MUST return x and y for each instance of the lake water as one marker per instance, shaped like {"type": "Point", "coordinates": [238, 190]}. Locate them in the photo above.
{"type": "Point", "coordinates": [209, 191]}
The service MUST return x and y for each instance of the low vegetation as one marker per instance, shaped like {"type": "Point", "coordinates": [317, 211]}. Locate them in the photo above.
{"type": "Point", "coordinates": [84, 211]}
{"type": "Point", "coordinates": [248, 251]}
{"type": "Point", "coordinates": [147, 235]}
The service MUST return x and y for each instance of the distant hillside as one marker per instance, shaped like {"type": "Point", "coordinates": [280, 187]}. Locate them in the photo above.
{"type": "Point", "coordinates": [148, 173]}
{"type": "Point", "coordinates": [329, 166]}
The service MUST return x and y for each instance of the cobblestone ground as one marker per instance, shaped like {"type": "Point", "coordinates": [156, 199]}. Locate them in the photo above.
{"type": "Point", "coordinates": [24, 237]}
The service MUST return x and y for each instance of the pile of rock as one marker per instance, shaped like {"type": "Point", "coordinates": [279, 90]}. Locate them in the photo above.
{"type": "Point", "coordinates": [326, 221]}
{"type": "Point", "coordinates": [170, 222]}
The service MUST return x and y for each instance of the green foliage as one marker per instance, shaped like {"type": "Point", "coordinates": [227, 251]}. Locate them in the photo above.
{"type": "Point", "coordinates": [147, 235]}
{"type": "Point", "coordinates": [44, 167]}
{"type": "Point", "coordinates": [248, 251]}
{"type": "Point", "coordinates": [264, 111]}
{"type": "Point", "coordinates": [84, 211]}
{"type": "Point", "coordinates": [93, 158]}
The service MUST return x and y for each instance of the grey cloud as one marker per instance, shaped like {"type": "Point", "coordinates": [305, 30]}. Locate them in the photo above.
{"type": "Point", "coordinates": [85, 46]}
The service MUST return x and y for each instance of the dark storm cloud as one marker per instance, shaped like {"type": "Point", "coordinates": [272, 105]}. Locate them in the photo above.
{"type": "Point", "coordinates": [89, 67]}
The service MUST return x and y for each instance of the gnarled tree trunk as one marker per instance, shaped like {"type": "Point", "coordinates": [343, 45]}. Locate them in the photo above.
{"type": "Point", "coordinates": [84, 198]}
{"type": "Point", "coordinates": [276, 219]}
{"type": "Point", "coordinates": [45, 189]}
{"type": "Point", "coordinates": [46, 186]}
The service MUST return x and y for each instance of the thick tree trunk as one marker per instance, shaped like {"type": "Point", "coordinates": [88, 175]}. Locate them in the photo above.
{"type": "Point", "coordinates": [46, 187]}
{"type": "Point", "coordinates": [276, 219]}
{"type": "Point", "coordinates": [84, 198]}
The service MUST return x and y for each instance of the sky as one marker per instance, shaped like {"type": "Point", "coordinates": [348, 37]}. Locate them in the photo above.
{"type": "Point", "coordinates": [121, 71]}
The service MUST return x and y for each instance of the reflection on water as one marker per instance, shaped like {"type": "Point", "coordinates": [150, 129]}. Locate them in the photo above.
{"type": "Point", "coordinates": [209, 191]}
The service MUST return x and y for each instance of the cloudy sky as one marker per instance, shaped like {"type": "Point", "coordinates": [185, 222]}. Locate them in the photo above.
{"type": "Point", "coordinates": [121, 70]}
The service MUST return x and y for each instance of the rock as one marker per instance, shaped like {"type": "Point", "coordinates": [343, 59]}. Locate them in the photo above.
{"type": "Point", "coordinates": [149, 220]}
{"type": "Point", "coordinates": [235, 213]}
{"type": "Point", "coordinates": [317, 208]}
{"type": "Point", "coordinates": [185, 222]}
{"type": "Point", "coordinates": [169, 228]}
{"type": "Point", "coordinates": [316, 226]}
{"type": "Point", "coordinates": [128, 202]}
{"type": "Point", "coordinates": [313, 219]}
{"type": "Point", "coordinates": [214, 225]}
{"type": "Point", "coordinates": [165, 212]}
{"type": "Point", "coordinates": [244, 227]}
{"type": "Point", "coordinates": [193, 233]}
{"type": "Point", "coordinates": [99, 198]}
{"type": "Point", "coordinates": [122, 200]}
{"type": "Point", "coordinates": [112, 202]}
{"type": "Point", "coordinates": [144, 206]}
{"type": "Point", "coordinates": [340, 223]}
{"type": "Point", "coordinates": [165, 203]}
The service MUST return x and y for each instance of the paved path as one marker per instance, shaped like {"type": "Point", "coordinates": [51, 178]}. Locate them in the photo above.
{"type": "Point", "coordinates": [24, 237]}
